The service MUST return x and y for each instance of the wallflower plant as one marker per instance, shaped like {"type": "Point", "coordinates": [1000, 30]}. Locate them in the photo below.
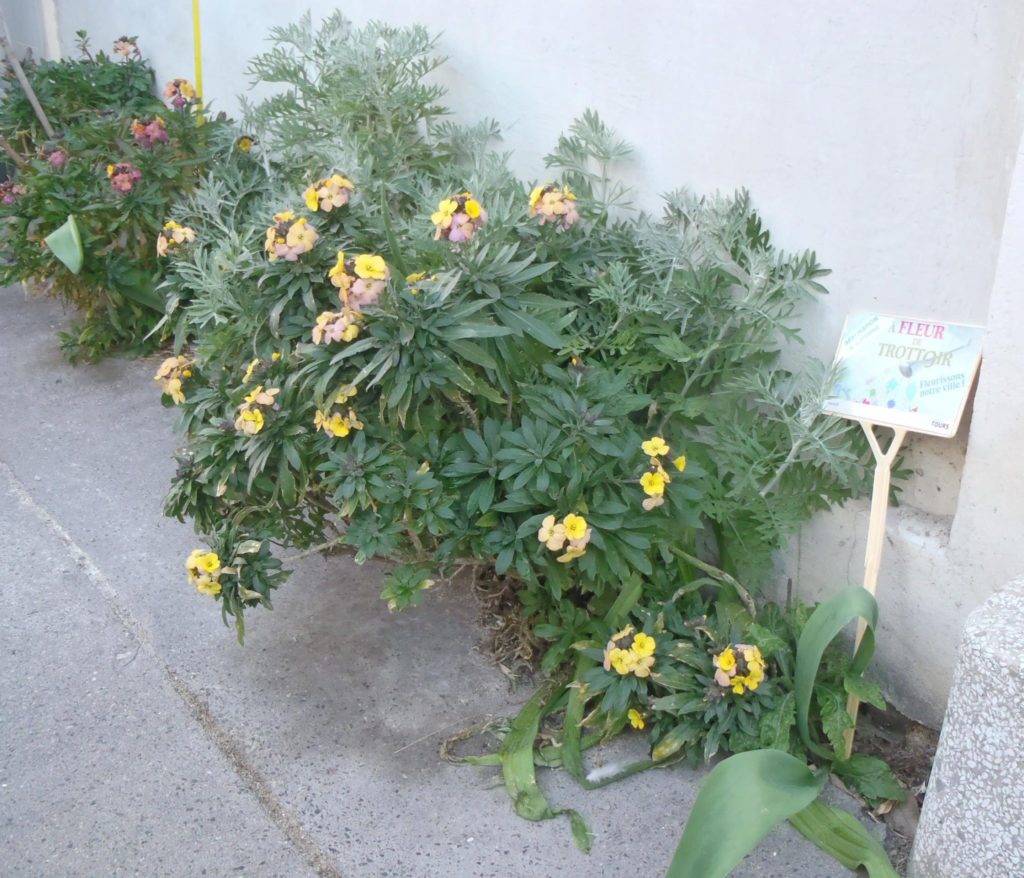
{"type": "Point", "coordinates": [553, 389]}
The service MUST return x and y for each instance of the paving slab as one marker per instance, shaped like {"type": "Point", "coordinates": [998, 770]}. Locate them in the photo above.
{"type": "Point", "coordinates": [327, 721]}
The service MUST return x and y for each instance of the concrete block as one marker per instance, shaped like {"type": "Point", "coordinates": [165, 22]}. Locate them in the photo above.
{"type": "Point", "coordinates": [971, 822]}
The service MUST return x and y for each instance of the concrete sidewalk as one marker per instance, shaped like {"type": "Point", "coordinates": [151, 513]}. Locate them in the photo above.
{"type": "Point", "coordinates": [138, 738]}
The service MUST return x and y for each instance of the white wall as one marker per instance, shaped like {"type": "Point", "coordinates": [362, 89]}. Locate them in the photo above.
{"type": "Point", "coordinates": [881, 135]}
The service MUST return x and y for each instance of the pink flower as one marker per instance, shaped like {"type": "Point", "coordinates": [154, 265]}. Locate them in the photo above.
{"type": "Point", "coordinates": [123, 176]}
{"type": "Point", "coordinates": [127, 48]}
{"type": "Point", "coordinates": [57, 158]}
{"type": "Point", "coordinates": [10, 192]}
{"type": "Point", "coordinates": [148, 134]}
{"type": "Point", "coordinates": [179, 93]}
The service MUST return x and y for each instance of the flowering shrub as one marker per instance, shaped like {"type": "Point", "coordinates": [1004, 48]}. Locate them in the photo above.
{"type": "Point", "coordinates": [532, 382]}
{"type": "Point", "coordinates": [118, 161]}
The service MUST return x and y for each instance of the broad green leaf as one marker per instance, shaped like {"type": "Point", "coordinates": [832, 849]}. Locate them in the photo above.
{"type": "Point", "coordinates": [742, 799]}
{"type": "Point", "coordinates": [871, 777]}
{"type": "Point", "coordinates": [842, 836]}
{"type": "Point", "coordinates": [66, 244]}
{"type": "Point", "coordinates": [827, 620]}
{"type": "Point", "coordinates": [865, 690]}
{"type": "Point", "coordinates": [518, 768]}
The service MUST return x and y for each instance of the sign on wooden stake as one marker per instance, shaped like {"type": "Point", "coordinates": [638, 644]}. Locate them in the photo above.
{"type": "Point", "coordinates": [911, 376]}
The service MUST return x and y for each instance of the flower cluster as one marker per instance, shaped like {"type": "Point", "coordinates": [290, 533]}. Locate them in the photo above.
{"type": "Point", "coordinates": [172, 235]}
{"type": "Point", "coordinates": [629, 653]}
{"type": "Point", "coordinates": [334, 423]}
{"type": "Point", "coordinates": [656, 478]}
{"type": "Point", "coordinates": [289, 237]}
{"type": "Point", "coordinates": [179, 93]}
{"type": "Point", "coordinates": [150, 132]}
{"type": "Point", "coordinates": [123, 176]}
{"type": "Point", "coordinates": [329, 193]}
{"type": "Point", "coordinates": [127, 47]}
{"type": "Point", "coordinates": [554, 204]}
{"type": "Point", "coordinates": [55, 157]}
{"type": "Point", "coordinates": [360, 281]}
{"type": "Point", "coordinates": [170, 376]}
{"type": "Point", "coordinates": [458, 217]}
{"type": "Point", "coordinates": [204, 571]}
{"type": "Point", "coordinates": [250, 418]}
{"type": "Point", "coordinates": [739, 667]}
{"type": "Point", "coordinates": [572, 529]}
{"type": "Point", "coordinates": [336, 326]}
{"type": "Point", "coordinates": [10, 191]}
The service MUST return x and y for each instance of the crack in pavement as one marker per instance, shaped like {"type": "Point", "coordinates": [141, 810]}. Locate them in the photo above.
{"type": "Point", "coordinates": [195, 705]}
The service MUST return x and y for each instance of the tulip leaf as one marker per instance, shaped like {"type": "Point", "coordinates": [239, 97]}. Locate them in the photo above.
{"type": "Point", "coordinates": [66, 244]}
{"type": "Point", "coordinates": [828, 619]}
{"type": "Point", "coordinates": [517, 765]}
{"type": "Point", "coordinates": [741, 801]}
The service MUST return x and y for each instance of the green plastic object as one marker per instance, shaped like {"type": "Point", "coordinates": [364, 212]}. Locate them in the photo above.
{"type": "Point", "coordinates": [66, 244]}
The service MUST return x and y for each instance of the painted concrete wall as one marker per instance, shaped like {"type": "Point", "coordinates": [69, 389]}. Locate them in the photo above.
{"type": "Point", "coordinates": [881, 135]}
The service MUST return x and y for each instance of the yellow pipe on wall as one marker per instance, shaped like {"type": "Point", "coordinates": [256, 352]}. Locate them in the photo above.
{"type": "Point", "coordinates": [198, 44]}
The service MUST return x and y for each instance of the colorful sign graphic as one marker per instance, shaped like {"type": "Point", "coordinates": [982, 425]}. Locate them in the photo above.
{"type": "Point", "coordinates": [902, 372]}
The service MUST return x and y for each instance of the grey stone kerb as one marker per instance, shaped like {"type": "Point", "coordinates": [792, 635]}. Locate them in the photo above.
{"type": "Point", "coordinates": [973, 818]}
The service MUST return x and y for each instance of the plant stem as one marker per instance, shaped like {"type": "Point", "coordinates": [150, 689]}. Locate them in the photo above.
{"type": "Point", "coordinates": [719, 574]}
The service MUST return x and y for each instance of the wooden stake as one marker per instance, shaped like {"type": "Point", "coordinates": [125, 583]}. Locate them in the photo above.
{"type": "Point", "coordinates": [25, 84]}
{"type": "Point", "coordinates": [876, 539]}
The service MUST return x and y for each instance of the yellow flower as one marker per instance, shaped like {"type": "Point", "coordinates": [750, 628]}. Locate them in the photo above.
{"type": "Point", "coordinates": [350, 332]}
{"type": "Point", "coordinates": [653, 484]}
{"type": "Point", "coordinates": [370, 267]}
{"type": "Point", "coordinates": [552, 534]}
{"type": "Point", "coordinates": [415, 277]}
{"type": "Point", "coordinates": [346, 393]}
{"type": "Point", "coordinates": [110, 170]}
{"type": "Point", "coordinates": [249, 370]}
{"type": "Point", "coordinates": [259, 396]}
{"type": "Point", "coordinates": [737, 687]}
{"type": "Point", "coordinates": [472, 208]}
{"type": "Point", "coordinates": [244, 143]}
{"type": "Point", "coordinates": [443, 215]}
{"type": "Point", "coordinates": [208, 585]}
{"type": "Point", "coordinates": [249, 422]}
{"type": "Point", "coordinates": [726, 659]}
{"type": "Point", "coordinates": [274, 357]}
{"type": "Point", "coordinates": [654, 446]}
{"type": "Point", "coordinates": [334, 425]}
{"type": "Point", "coordinates": [301, 234]}
{"type": "Point", "coordinates": [642, 666]}
{"type": "Point", "coordinates": [571, 554]}
{"type": "Point", "coordinates": [575, 526]}
{"type": "Point", "coordinates": [680, 462]}
{"type": "Point", "coordinates": [643, 645]}
{"type": "Point", "coordinates": [172, 387]}
{"type": "Point", "coordinates": [636, 719]}
{"type": "Point", "coordinates": [622, 660]}
{"type": "Point", "coordinates": [535, 195]}
{"type": "Point", "coordinates": [312, 198]}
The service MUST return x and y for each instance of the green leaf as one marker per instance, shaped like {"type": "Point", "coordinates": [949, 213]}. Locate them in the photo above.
{"type": "Point", "coordinates": [842, 836]}
{"type": "Point", "coordinates": [517, 766]}
{"type": "Point", "coordinates": [742, 799]}
{"type": "Point", "coordinates": [865, 690]}
{"type": "Point", "coordinates": [827, 620]}
{"type": "Point", "coordinates": [777, 723]}
{"type": "Point", "coordinates": [871, 777]}
{"type": "Point", "coordinates": [66, 244]}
